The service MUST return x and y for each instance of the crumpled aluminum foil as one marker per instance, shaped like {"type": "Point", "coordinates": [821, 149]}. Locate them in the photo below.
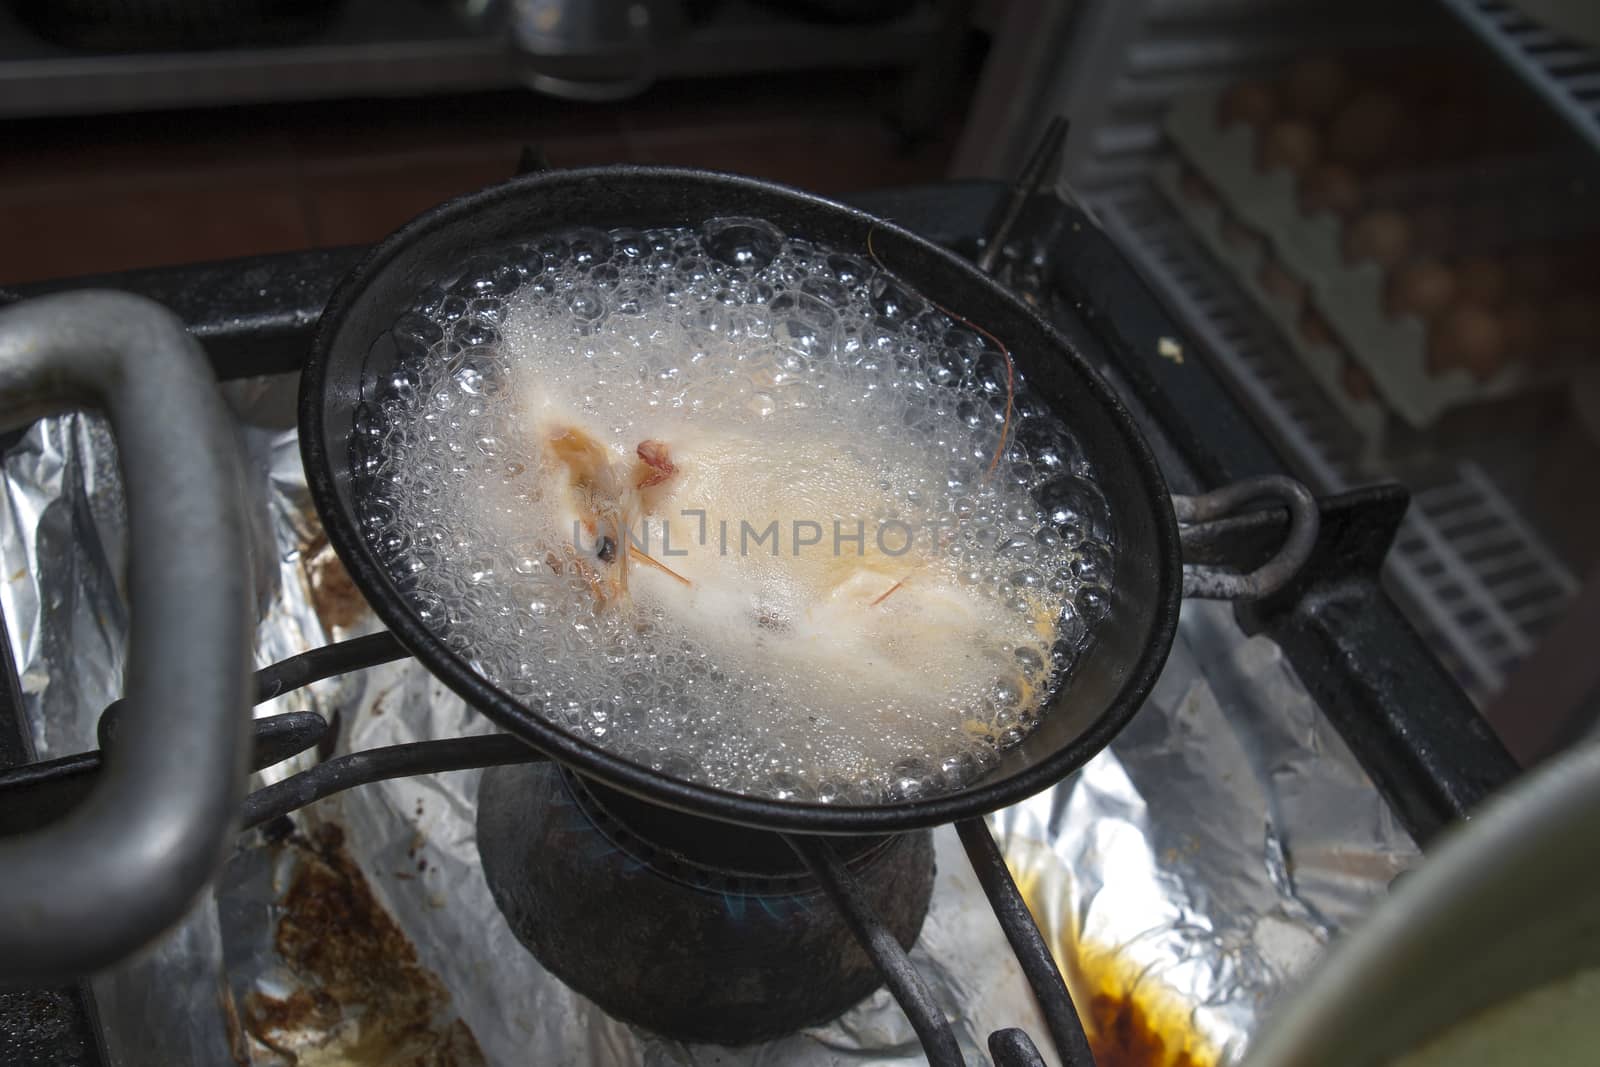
{"type": "Point", "coordinates": [1184, 876]}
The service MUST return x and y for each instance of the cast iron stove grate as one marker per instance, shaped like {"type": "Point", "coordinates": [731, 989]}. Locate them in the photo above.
{"type": "Point", "coordinates": [1414, 731]}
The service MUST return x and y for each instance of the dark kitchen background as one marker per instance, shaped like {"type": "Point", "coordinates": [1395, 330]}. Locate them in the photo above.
{"type": "Point", "coordinates": [146, 133]}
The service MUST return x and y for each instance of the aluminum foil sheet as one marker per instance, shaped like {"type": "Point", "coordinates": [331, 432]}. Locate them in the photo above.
{"type": "Point", "coordinates": [1185, 877]}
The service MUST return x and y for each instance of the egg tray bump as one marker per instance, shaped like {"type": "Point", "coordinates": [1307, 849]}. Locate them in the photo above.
{"type": "Point", "coordinates": [1349, 296]}
{"type": "Point", "coordinates": [1325, 363]}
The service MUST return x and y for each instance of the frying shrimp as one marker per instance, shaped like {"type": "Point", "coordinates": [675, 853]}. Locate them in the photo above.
{"type": "Point", "coordinates": [607, 499]}
{"type": "Point", "coordinates": [658, 466]}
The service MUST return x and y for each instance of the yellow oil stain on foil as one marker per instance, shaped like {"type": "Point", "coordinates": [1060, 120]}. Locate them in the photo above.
{"type": "Point", "coordinates": [1131, 1019]}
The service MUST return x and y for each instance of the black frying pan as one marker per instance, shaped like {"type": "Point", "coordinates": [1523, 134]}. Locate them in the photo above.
{"type": "Point", "coordinates": [354, 350]}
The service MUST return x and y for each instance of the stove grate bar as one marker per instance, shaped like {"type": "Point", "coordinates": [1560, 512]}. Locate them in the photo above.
{"type": "Point", "coordinates": [1010, 1047]}
{"type": "Point", "coordinates": [1013, 1048]}
{"type": "Point", "coordinates": [340, 657]}
{"type": "Point", "coordinates": [901, 976]}
{"type": "Point", "coordinates": [380, 764]}
{"type": "Point", "coordinates": [295, 672]}
{"type": "Point", "coordinates": [1049, 988]}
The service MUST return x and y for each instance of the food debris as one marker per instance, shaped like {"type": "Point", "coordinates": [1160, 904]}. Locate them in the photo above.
{"type": "Point", "coordinates": [1167, 348]}
{"type": "Point", "coordinates": [366, 1000]}
{"type": "Point", "coordinates": [334, 596]}
{"type": "Point", "coordinates": [378, 707]}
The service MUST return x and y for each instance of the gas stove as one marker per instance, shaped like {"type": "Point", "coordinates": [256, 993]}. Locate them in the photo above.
{"type": "Point", "coordinates": [588, 879]}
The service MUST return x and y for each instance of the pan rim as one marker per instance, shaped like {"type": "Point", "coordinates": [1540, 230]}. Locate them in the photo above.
{"type": "Point", "coordinates": [643, 782]}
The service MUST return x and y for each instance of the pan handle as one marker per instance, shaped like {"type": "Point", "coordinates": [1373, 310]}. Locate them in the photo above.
{"type": "Point", "coordinates": [125, 864]}
{"type": "Point", "coordinates": [1215, 583]}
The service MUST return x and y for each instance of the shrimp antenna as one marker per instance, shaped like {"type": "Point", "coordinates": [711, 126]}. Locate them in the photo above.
{"type": "Point", "coordinates": [658, 565]}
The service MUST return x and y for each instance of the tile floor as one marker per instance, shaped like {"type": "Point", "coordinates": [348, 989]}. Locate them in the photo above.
{"type": "Point", "coordinates": [82, 196]}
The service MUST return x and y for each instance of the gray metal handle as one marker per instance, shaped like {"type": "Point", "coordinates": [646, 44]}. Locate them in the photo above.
{"type": "Point", "coordinates": [126, 864]}
{"type": "Point", "coordinates": [1212, 583]}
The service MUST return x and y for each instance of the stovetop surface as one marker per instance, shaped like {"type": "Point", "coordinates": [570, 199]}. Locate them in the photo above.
{"type": "Point", "coordinates": [1412, 729]}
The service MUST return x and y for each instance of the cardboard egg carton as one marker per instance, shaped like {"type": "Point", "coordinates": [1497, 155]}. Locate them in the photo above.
{"type": "Point", "coordinates": [1392, 349]}
{"type": "Point", "coordinates": [1324, 362]}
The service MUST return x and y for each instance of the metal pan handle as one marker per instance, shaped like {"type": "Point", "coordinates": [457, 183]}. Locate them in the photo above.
{"type": "Point", "coordinates": [126, 863]}
{"type": "Point", "coordinates": [1214, 583]}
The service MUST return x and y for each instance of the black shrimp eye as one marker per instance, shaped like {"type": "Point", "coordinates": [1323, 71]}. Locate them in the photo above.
{"type": "Point", "coordinates": [607, 551]}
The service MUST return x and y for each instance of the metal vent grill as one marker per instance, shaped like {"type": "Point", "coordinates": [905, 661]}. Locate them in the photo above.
{"type": "Point", "coordinates": [1302, 422]}
{"type": "Point", "coordinates": [1486, 573]}
{"type": "Point", "coordinates": [1565, 73]}
{"type": "Point", "coordinates": [1469, 572]}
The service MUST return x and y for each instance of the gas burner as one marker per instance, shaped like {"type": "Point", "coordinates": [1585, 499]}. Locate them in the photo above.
{"type": "Point", "coordinates": [698, 930]}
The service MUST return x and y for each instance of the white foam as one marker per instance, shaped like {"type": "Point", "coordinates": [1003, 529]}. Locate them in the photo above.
{"type": "Point", "coordinates": [802, 396]}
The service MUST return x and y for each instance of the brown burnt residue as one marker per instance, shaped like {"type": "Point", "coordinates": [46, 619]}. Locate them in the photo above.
{"type": "Point", "coordinates": [1130, 1020]}
{"type": "Point", "coordinates": [365, 1000]}
{"type": "Point", "coordinates": [378, 708]}
{"type": "Point", "coordinates": [1128, 1030]}
{"type": "Point", "coordinates": [334, 596]}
